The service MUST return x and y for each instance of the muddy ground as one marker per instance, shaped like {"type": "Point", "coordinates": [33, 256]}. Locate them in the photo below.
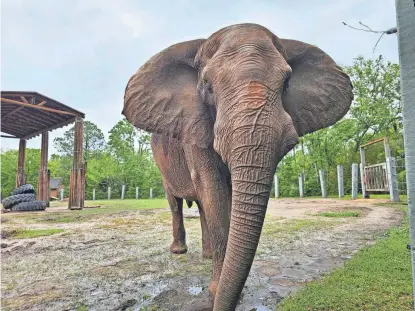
{"type": "Point", "coordinates": [121, 260]}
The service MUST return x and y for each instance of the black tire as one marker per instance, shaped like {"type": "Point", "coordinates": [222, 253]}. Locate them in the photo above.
{"type": "Point", "coordinates": [12, 200]}
{"type": "Point", "coordinates": [30, 206]}
{"type": "Point", "coordinates": [28, 188]}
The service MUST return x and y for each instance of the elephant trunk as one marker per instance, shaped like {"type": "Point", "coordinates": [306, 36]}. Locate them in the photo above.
{"type": "Point", "coordinates": [252, 165]}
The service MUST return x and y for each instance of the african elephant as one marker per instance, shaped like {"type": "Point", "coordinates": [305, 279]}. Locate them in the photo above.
{"type": "Point", "coordinates": [235, 104]}
{"type": "Point", "coordinates": [178, 184]}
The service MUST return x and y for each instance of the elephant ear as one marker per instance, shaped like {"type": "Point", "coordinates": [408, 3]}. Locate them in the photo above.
{"type": "Point", "coordinates": [161, 97]}
{"type": "Point", "coordinates": [319, 93]}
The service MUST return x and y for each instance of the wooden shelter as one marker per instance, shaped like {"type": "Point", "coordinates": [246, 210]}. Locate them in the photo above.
{"type": "Point", "coordinates": [25, 115]}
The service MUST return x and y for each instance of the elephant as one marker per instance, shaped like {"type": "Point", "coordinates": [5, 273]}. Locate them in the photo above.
{"type": "Point", "coordinates": [231, 106]}
{"type": "Point", "coordinates": [178, 185]}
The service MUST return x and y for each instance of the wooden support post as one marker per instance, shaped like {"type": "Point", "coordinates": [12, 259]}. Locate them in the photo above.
{"type": "Point", "coordinates": [322, 175]}
{"type": "Point", "coordinates": [276, 186]}
{"type": "Point", "coordinates": [109, 193]}
{"type": "Point", "coordinates": [20, 175]}
{"type": "Point", "coordinates": [362, 172]}
{"type": "Point", "coordinates": [151, 193]}
{"type": "Point", "coordinates": [93, 194]}
{"type": "Point", "coordinates": [136, 193]}
{"type": "Point", "coordinates": [61, 194]}
{"type": "Point", "coordinates": [355, 180]}
{"type": "Point", "coordinates": [340, 182]}
{"type": "Point", "coordinates": [301, 185]}
{"type": "Point", "coordinates": [43, 176]}
{"type": "Point", "coordinates": [77, 179]}
{"type": "Point", "coordinates": [122, 192]}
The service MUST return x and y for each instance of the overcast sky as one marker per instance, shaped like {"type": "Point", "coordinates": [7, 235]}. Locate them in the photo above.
{"type": "Point", "coordinates": [82, 52]}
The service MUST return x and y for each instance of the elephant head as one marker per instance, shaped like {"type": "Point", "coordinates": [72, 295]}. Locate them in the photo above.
{"type": "Point", "coordinates": [250, 96]}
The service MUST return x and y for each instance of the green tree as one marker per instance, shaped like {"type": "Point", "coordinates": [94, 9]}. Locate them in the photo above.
{"type": "Point", "coordinates": [376, 107]}
{"type": "Point", "coordinates": [93, 141]}
{"type": "Point", "coordinates": [9, 167]}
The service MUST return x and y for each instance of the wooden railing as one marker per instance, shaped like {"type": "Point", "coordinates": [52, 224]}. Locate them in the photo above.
{"type": "Point", "coordinates": [376, 177]}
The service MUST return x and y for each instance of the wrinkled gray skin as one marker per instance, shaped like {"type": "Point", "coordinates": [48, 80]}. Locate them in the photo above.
{"type": "Point", "coordinates": [235, 104]}
{"type": "Point", "coordinates": [169, 157]}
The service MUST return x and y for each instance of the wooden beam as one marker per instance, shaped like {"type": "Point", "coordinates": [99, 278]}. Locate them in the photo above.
{"type": "Point", "coordinates": [372, 142]}
{"type": "Point", "coordinates": [52, 127]}
{"type": "Point", "coordinates": [10, 136]}
{"type": "Point", "coordinates": [77, 178]}
{"type": "Point", "coordinates": [43, 176]}
{"type": "Point", "coordinates": [20, 174]}
{"type": "Point", "coordinates": [15, 102]}
{"type": "Point", "coordinates": [20, 108]}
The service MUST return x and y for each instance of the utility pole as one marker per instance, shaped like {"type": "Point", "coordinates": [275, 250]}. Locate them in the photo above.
{"type": "Point", "coordinates": [405, 15]}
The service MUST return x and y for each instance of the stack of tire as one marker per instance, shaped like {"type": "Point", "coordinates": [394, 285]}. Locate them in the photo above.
{"type": "Point", "coordinates": [23, 199]}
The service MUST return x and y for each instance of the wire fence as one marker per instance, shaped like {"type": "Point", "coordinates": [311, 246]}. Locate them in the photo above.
{"type": "Point", "coordinates": [311, 183]}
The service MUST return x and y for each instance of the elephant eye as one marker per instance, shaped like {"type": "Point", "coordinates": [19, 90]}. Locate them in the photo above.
{"type": "Point", "coordinates": [209, 88]}
{"type": "Point", "coordinates": [286, 85]}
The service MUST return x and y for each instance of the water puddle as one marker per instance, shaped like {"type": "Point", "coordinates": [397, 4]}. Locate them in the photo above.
{"type": "Point", "coordinates": [195, 290]}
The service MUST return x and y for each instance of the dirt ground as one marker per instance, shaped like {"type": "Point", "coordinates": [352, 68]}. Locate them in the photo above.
{"type": "Point", "coordinates": [121, 261]}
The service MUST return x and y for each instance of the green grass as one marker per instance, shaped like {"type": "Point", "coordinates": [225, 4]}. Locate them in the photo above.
{"type": "Point", "coordinates": [340, 214]}
{"type": "Point", "coordinates": [274, 226]}
{"type": "Point", "coordinates": [376, 278]}
{"type": "Point", "coordinates": [33, 233]}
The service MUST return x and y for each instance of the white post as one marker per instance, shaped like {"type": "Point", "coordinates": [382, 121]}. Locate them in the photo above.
{"type": "Point", "coordinates": [276, 186]}
{"type": "Point", "coordinates": [151, 193]}
{"type": "Point", "coordinates": [93, 194]}
{"type": "Point", "coordinates": [61, 194]}
{"type": "Point", "coordinates": [355, 180]}
{"type": "Point", "coordinates": [136, 193]}
{"type": "Point", "coordinates": [362, 180]}
{"type": "Point", "coordinates": [362, 172]}
{"type": "Point", "coordinates": [340, 183]}
{"type": "Point", "coordinates": [301, 185]}
{"type": "Point", "coordinates": [405, 13]}
{"type": "Point", "coordinates": [392, 179]}
{"type": "Point", "coordinates": [109, 193]}
{"type": "Point", "coordinates": [122, 192]}
{"type": "Point", "coordinates": [323, 183]}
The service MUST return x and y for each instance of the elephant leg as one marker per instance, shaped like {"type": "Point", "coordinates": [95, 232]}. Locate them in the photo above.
{"type": "Point", "coordinates": [179, 233]}
{"type": "Point", "coordinates": [214, 193]}
{"type": "Point", "coordinates": [206, 244]}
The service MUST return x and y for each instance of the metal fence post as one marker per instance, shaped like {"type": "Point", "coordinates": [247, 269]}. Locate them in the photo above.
{"type": "Point", "coordinates": [136, 193]}
{"type": "Point", "coordinates": [392, 179]}
{"type": "Point", "coordinates": [93, 194]}
{"type": "Point", "coordinates": [323, 183]}
{"type": "Point", "coordinates": [276, 186]}
{"type": "Point", "coordinates": [122, 192]}
{"type": "Point", "coordinates": [151, 193]}
{"type": "Point", "coordinates": [355, 180]}
{"type": "Point", "coordinates": [109, 193]}
{"type": "Point", "coordinates": [301, 185]}
{"type": "Point", "coordinates": [61, 194]}
{"type": "Point", "coordinates": [340, 183]}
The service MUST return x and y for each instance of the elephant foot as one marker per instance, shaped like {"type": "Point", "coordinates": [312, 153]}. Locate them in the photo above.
{"type": "Point", "coordinates": [207, 253]}
{"type": "Point", "coordinates": [178, 248]}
